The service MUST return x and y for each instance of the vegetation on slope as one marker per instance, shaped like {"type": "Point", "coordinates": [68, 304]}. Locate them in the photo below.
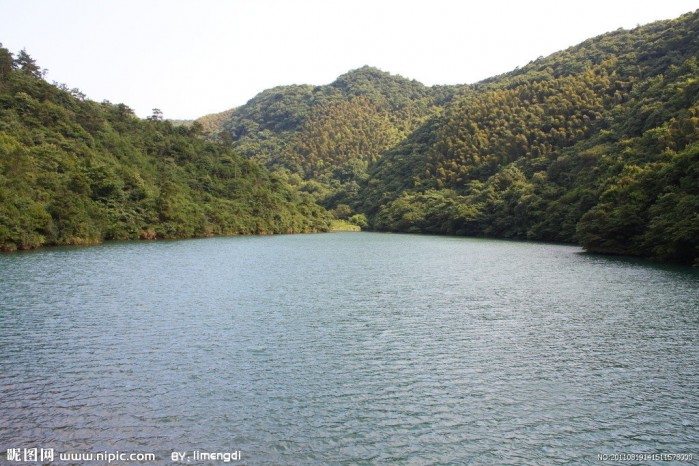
{"type": "Point", "coordinates": [323, 138]}
{"type": "Point", "coordinates": [73, 171]}
{"type": "Point", "coordinates": [598, 144]}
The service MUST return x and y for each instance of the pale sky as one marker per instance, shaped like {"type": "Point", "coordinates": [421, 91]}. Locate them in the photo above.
{"type": "Point", "coordinates": [194, 57]}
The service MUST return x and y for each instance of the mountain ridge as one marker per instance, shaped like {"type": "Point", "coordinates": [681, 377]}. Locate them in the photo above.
{"type": "Point", "coordinates": [597, 145]}
{"type": "Point", "coordinates": [539, 152]}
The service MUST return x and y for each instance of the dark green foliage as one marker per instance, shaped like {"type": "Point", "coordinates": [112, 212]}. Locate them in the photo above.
{"type": "Point", "coordinates": [74, 171]}
{"type": "Point", "coordinates": [649, 210]}
{"type": "Point", "coordinates": [27, 64]}
{"type": "Point", "coordinates": [6, 64]}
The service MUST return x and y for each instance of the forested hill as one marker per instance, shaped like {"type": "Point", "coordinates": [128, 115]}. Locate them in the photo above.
{"type": "Point", "coordinates": [73, 171]}
{"type": "Point", "coordinates": [323, 138]}
{"type": "Point", "coordinates": [260, 127]}
{"type": "Point", "coordinates": [597, 144]}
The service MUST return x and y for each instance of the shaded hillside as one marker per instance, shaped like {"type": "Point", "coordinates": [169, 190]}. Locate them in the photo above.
{"type": "Point", "coordinates": [73, 171]}
{"type": "Point", "coordinates": [597, 144]}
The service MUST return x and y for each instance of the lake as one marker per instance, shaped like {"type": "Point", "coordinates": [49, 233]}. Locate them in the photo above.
{"type": "Point", "coordinates": [348, 348]}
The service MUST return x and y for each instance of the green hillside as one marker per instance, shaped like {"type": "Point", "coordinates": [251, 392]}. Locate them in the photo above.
{"type": "Point", "coordinates": [73, 171]}
{"type": "Point", "coordinates": [323, 138]}
{"type": "Point", "coordinates": [597, 144]}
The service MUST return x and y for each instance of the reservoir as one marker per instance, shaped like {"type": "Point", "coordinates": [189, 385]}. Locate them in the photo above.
{"type": "Point", "coordinates": [348, 348]}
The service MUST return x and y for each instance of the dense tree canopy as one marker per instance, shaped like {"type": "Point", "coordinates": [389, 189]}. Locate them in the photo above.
{"type": "Point", "coordinates": [329, 135]}
{"type": "Point", "coordinates": [74, 171]}
{"type": "Point", "coordinates": [597, 144]}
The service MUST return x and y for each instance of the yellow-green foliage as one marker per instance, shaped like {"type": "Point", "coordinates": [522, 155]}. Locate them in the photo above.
{"type": "Point", "coordinates": [344, 225]}
{"type": "Point", "coordinates": [534, 119]}
{"type": "Point", "coordinates": [329, 134]}
{"type": "Point", "coordinates": [340, 132]}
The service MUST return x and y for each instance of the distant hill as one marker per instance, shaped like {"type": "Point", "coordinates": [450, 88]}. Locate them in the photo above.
{"type": "Point", "coordinates": [325, 137]}
{"type": "Point", "coordinates": [596, 144]}
{"type": "Point", "coordinates": [212, 125]}
{"type": "Point", "coordinates": [285, 109]}
{"type": "Point", "coordinates": [73, 171]}
{"type": "Point", "coordinates": [186, 123]}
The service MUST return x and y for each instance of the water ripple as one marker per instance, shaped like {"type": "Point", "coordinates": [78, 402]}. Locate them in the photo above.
{"type": "Point", "coordinates": [347, 349]}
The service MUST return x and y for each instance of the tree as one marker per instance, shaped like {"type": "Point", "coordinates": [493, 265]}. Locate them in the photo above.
{"type": "Point", "coordinates": [6, 63]}
{"type": "Point", "coordinates": [157, 115]}
{"type": "Point", "coordinates": [342, 212]}
{"type": "Point", "coordinates": [27, 64]}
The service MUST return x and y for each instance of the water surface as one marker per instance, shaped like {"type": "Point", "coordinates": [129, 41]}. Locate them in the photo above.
{"type": "Point", "coordinates": [348, 348]}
